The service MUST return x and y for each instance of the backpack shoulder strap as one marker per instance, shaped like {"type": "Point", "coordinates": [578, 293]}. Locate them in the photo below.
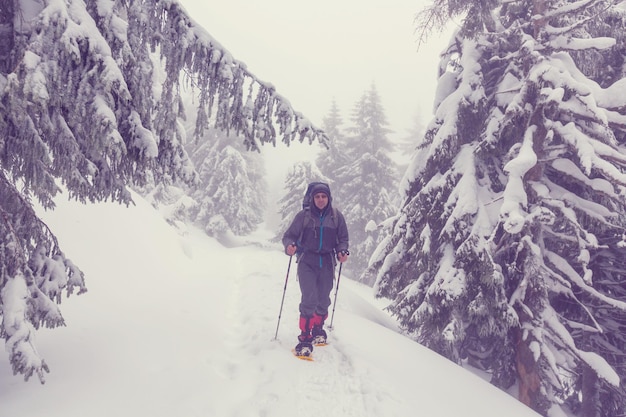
{"type": "Point", "coordinates": [305, 221]}
{"type": "Point", "coordinates": [335, 217]}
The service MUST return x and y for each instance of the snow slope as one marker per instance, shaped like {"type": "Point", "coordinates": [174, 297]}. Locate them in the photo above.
{"type": "Point", "coordinates": [174, 324]}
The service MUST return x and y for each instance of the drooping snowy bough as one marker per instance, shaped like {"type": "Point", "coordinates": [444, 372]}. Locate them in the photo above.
{"type": "Point", "coordinates": [89, 102]}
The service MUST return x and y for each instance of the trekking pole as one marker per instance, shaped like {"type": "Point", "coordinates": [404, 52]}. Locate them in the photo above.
{"type": "Point", "coordinates": [335, 302]}
{"type": "Point", "coordinates": [283, 300]}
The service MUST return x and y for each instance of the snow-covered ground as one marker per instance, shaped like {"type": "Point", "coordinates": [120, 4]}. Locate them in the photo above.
{"type": "Point", "coordinates": [176, 325]}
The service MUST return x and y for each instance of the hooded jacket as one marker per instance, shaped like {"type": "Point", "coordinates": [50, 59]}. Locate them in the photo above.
{"type": "Point", "coordinates": [318, 233]}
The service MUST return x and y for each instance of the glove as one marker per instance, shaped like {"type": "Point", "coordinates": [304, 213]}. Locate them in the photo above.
{"type": "Point", "coordinates": [291, 249]}
{"type": "Point", "coordinates": [343, 256]}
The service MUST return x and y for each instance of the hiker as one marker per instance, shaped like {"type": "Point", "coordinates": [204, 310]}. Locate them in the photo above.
{"type": "Point", "coordinates": [318, 235]}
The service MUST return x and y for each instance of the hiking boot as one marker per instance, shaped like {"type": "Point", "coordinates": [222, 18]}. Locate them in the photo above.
{"type": "Point", "coordinates": [305, 345]}
{"type": "Point", "coordinates": [304, 349]}
{"type": "Point", "coordinates": [319, 336]}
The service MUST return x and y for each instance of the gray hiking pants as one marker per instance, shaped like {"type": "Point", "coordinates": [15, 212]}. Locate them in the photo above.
{"type": "Point", "coordinates": [316, 274]}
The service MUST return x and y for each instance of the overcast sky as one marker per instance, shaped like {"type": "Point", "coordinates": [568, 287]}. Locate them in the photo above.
{"type": "Point", "coordinates": [315, 51]}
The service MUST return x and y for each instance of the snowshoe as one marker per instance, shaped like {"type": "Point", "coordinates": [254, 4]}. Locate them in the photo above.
{"type": "Point", "coordinates": [303, 350]}
{"type": "Point", "coordinates": [319, 337]}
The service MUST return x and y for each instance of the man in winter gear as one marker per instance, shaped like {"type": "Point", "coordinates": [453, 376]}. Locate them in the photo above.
{"type": "Point", "coordinates": [316, 235]}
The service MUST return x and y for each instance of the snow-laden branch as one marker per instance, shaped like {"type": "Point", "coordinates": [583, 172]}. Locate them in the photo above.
{"type": "Point", "coordinates": [18, 332]}
{"type": "Point", "coordinates": [229, 84]}
{"type": "Point", "coordinates": [90, 98]}
{"type": "Point", "coordinates": [575, 278]}
{"type": "Point", "coordinates": [565, 340]}
{"type": "Point", "coordinates": [583, 10]}
{"type": "Point", "coordinates": [592, 153]}
{"type": "Point", "coordinates": [515, 201]}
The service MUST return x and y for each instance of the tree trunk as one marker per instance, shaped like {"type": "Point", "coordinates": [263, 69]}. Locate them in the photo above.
{"type": "Point", "coordinates": [529, 378]}
{"type": "Point", "coordinates": [590, 393]}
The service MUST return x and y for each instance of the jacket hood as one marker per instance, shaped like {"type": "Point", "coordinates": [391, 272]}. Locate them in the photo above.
{"type": "Point", "coordinates": [320, 188]}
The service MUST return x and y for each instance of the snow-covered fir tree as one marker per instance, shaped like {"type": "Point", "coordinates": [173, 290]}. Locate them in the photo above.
{"type": "Point", "coordinates": [331, 160]}
{"type": "Point", "coordinates": [231, 188]}
{"type": "Point", "coordinates": [299, 176]}
{"type": "Point", "coordinates": [173, 201]}
{"type": "Point", "coordinates": [367, 180]}
{"type": "Point", "coordinates": [506, 252]}
{"type": "Point", "coordinates": [81, 113]}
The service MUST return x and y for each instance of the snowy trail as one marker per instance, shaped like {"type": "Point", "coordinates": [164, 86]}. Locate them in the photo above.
{"type": "Point", "coordinates": [331, 385]}
{"type": "Point", "coordinates": [178, 325]}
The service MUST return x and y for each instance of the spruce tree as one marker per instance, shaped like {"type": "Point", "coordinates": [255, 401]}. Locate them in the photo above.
{"type": "Point", "coordinates": [81, 112]}
{"type": "Point", "coordinates": [367, 180]}
{"type": "Point", "coordinates": [231, 190]}
{"type": "Point", "coordinates": [333, 159]}
{"type": "Point", "coordinates": [505, 253]}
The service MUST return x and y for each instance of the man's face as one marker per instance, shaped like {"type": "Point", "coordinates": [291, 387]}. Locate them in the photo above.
{"type": "Point", "coordinates": [321, 200]}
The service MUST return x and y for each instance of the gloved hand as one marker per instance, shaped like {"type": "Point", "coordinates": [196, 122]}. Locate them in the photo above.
{"type": "Point", "coordinates": [343, 256]}
{"type": "Point", "coordinates": [291, 249]}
